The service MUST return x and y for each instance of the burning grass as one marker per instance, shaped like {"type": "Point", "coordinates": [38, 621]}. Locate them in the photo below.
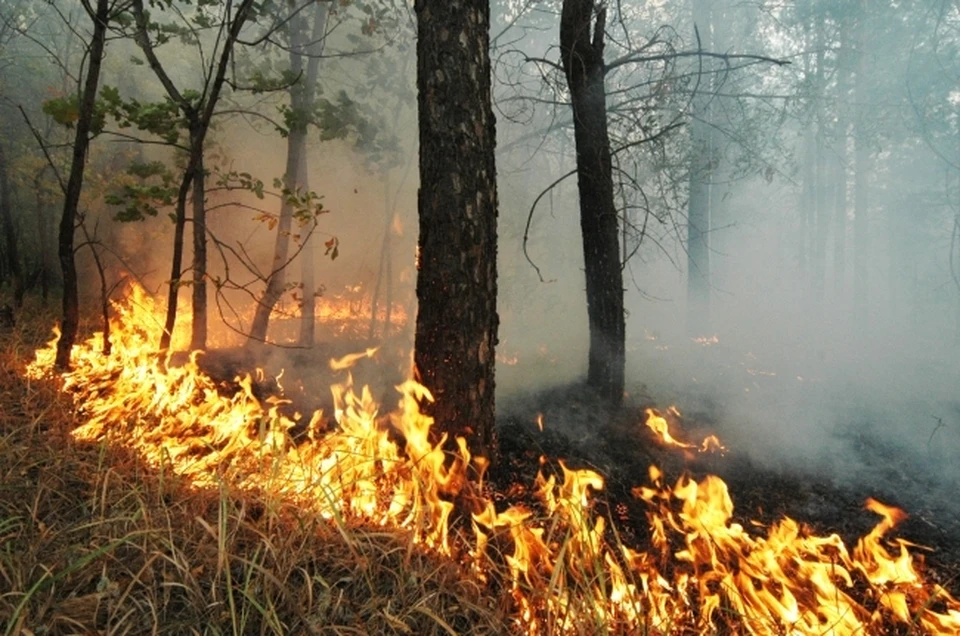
{"type": "Point", "coordinates": [93, 540]}
{"type": "Point", "coordinates": [235, 524]}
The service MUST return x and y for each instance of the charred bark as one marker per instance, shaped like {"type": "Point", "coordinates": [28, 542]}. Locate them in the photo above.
{"type": "Point", "coordinates": [71, 199]}
{"type": "Point", "coordinates": [582, 58]}
{"type": "Point", "coordinates": [456, 330]}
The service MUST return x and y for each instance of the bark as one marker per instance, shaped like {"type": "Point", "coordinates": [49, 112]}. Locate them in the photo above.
{"type": "Point", "coordinates": [456, 328]}
{"type": "Point", "coordinates": [11, 251]}
{"type": "Point", "coordinates": [71, 300]}
{"type": "Point", "coordinates": [698, 204]}
{"type": "Point", "coordinates": [301, 100]}
{"type": "Point", "coordinates": [198, 330]}
{"type": "Point", "coordinates": [582, 58]}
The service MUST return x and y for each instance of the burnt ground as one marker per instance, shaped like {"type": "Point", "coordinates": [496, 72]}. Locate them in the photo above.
{"type": "Point", "coordinates": [621, 448]}
{"type": "Point", "coordinates": [585, 434]}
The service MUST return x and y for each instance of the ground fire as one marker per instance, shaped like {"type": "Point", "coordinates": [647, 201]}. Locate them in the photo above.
{"type": "Point", "coordinates": [564, 563]}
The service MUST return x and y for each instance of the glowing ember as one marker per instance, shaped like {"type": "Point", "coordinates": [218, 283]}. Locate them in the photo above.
{"type": "Point", "coordinates": [566, 569]}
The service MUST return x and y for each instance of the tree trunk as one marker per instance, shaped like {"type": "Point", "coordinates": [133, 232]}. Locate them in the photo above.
{"type": "Point", "coordinates": [71, 300]}
{"type": "Point", "coordinates": [198, 118]}
{"type": "Point", "coordinates": [840, 174]}
{"type": "Point", "coordinates": [698, 204]}
{"type": "Point", "coordinates": [180, 222]}
{"type": "Point", "coordinates": [308, 321]}
{"type": "Point", "coordinates": [198, 328]}
{"type": "Point", "coordinates": [301, 100]}
{"type": "Point", "coordinates": [862, 169]}
{"type": "Point", "coordinates": [456, 331]}
{"type": "Point", "coordinates": [582, 59]}
{"type": "Point", "coordinates": [10, 233]}
{"type": "Point", "coordinates": [823, 218]}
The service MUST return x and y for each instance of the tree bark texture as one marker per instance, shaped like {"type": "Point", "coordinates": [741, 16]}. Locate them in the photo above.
{"type": "Point", "coordinates": [71, 199]}
{"type": "Point", "coordinates": [456, 327]}
{"type": "Point", "coordinates": [581, 49]}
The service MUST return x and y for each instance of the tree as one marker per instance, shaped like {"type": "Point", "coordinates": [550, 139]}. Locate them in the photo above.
{"type": "Point", "coordinates": [581, 50]}
{"type": "Point", "coordinates": [456, 327]}
{"type": "Point", "coordinates": [197, 108]}
{"type": "Point", "coordinates": [71, 299]}
{"type": "Point", "coordinates": [298, 118]}
{"type": "Point", "coordinates": [702, 161]}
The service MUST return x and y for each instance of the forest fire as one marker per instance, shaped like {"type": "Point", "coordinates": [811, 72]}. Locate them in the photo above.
{"type": "Point", "coordinates": [564, 563]}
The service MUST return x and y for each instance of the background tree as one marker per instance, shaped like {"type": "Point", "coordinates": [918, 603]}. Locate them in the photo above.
{"type": "Point", "coordinates": [71, 300]}
{"type": "Point", "coordinates": [582, 34]}
{"type": "Point", "coordinates": [456, 330]}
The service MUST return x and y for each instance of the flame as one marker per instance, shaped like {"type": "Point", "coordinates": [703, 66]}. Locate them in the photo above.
{"type": "Point", "coordinates": [661, 429]}
{"type": "Point", "coordinates": [565, 567]}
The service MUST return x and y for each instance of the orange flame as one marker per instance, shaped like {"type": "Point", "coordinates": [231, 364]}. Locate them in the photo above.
{"type": "Point", "coordinates": [568, 571]}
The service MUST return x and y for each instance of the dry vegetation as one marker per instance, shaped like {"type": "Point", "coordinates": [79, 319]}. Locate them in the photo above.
{"type": "Point", "coordinates": [92, 541]}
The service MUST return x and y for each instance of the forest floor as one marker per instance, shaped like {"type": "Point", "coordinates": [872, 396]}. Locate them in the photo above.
{"type": "Point", "coordinates": [91, 540]}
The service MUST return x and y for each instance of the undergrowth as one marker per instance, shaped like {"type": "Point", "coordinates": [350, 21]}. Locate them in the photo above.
{"type": "Point", "coordinates": [92, 541]}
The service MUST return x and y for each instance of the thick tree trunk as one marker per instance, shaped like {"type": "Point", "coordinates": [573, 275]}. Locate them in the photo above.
{"type": "Point", "coordinates": [71, 300]}
{"type": "Point", "coordinates": [582, 58]}
{"type": "Point", "coordinates": [701, 174]}
{"type": "Point", "coordinates": [456, 332]}
{"type": "Point", "coordinates": [11, 252]}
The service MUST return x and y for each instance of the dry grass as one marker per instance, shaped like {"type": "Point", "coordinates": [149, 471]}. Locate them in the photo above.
{"type": "Point", "coordinates": [91, 541]}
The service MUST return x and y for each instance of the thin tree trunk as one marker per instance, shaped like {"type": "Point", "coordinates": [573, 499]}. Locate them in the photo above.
{"type": "Point", "coordinates": [862, 169]}
{"type": "Point", "coordinates": [308, 320]}
{"type": "Point", "coordinates": [698, 204]}
{"type": "Point", "coordinates": [10, 233]}
{"type": "Point", "coordinates": [71, 301]}
{"type": "Point", "coordinates": [198, 118]}
{"type": "Point", "coordinates": [582, 58]}
{"type": "Point", "coordinates": [820, 196]}
{"type": "Point", "coordinates": [43, 228]}
{"type": "Point", "coordinates": [456, 332]}
{"type": "Point", "coordinates": [840, 173]}
{"type": "Point", "coordinates": [198, 330]}
{"type": "Point", "coordinates": [301, 98]}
